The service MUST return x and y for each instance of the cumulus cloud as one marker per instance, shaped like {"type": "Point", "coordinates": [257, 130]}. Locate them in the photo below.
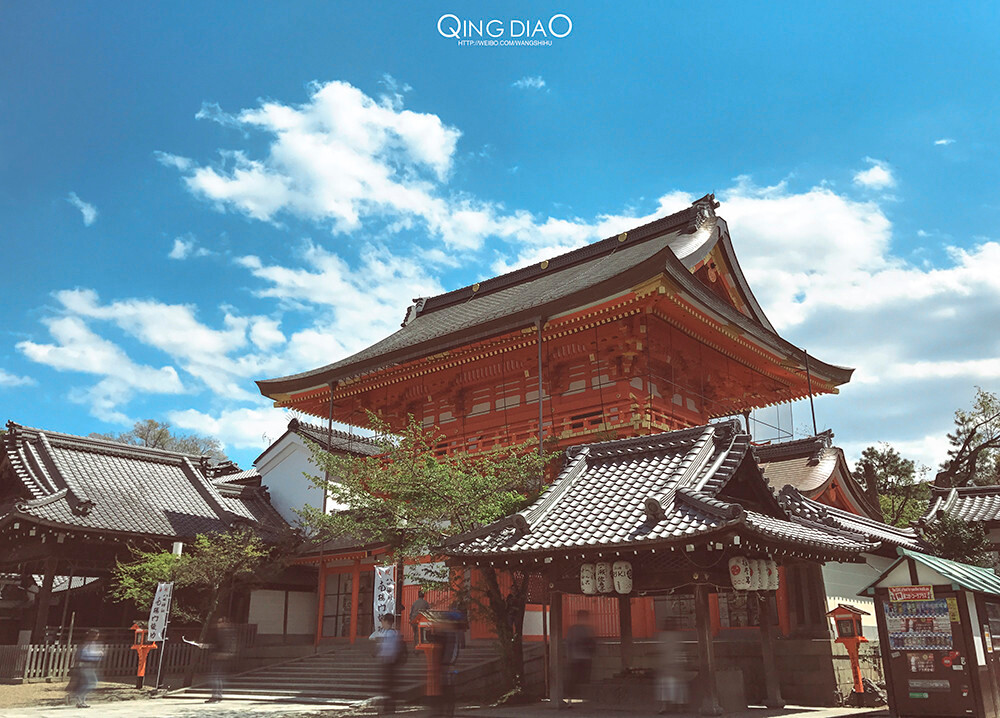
{"type": "Point", "coordinates": [185, 247]}
{"type": "Point", "coordinates": [536, 82]}
{"type": "Point", "coordinates": [78, 349]}
{"type": "Point", "coordinates": [944, 141]}
{"type": "Point", "coordinates": [243, 428]}
{"type": "Point", "coordinates": [176, 161]}
{"type": "Point", "coordinates": [87, 210]}
{"type": "Point", "coordinates": [878, 175]}
{"type": "Point", "coordinates": [9, 380]}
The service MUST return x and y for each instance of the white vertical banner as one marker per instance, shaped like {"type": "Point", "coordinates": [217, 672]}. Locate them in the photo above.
{"type": "Point", "coordinates": [159, 611]}
{"type": "Point", "coordinates": [385, 591]}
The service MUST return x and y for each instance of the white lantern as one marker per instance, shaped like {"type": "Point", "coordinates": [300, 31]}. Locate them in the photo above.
{"type": "Point", "coordinates": [622, 571]}
{"type": "Point", "coordinates": [772, 575]}
{"type": "Point", "coordinates": [587, 584]}
{"type": "Point", "coordinates": [739, 573]}
{"type": "Point", "coordinates": [602, 572]}
{"type": "Point", "coordinates": [760, 575]}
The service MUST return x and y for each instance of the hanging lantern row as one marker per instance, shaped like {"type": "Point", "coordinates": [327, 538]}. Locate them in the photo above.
{"type": "Point", "coordinates": [753, 574]}
{"type": "Point", "coordinates": [605, 577]}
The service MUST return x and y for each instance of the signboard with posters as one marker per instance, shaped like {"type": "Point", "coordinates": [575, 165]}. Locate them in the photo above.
{"type": "Point", "coordinates": [911, 593]}
{"type": "Point", "coordinates": [159, 611]}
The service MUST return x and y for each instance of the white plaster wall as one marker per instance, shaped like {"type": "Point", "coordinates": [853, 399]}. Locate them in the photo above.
{"type": "Point", "coordinates": [283, 471]}
{"type": "Point", "coordinates": [301, 612]}
{"type": "Point", "coordinates": [267, 610]}
{"type": "Point", "coordinates": [844, 580]}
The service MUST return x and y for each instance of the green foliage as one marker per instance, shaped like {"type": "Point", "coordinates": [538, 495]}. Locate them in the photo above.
{"type": "Point", "coordinates": [960, 541]}
{"type": "Point", "coordinates": [204, 576]}
{"type": "Point", "coordinates": [902, 495]}
{"type": "Point", "coordinates": [412, 499]}
{"type": "Point", "coordinates": [157, 435]}
{"type": "Point", "coordinates": [974, 456]}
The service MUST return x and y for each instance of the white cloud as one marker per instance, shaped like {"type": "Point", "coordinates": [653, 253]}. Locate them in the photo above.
{"type": "Point", "coordinates": [185, 247]}
{"type": "Point", "coordinates": [243, 428]}
{"type": "Point", "coordinates": [944, 141]}
{"type": "Point", "coordinates": [536, 82]}
{"type": "Point", "coordinates": [176, 161]}
{"type": "Point", "coordinates": [87, 210]}
{"type": "Point", "coordinates": [877, 176]}
{"type": "Point", "coordinates": [9, 380]}
{"type": "Point", "coordinates": [78, 349]}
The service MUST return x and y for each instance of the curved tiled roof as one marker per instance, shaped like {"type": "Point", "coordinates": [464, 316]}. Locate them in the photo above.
{"type": "Point", "coordinates": [646, 491]}
{"type": "Point", "coordinates": [670, 244]}
{"type": "Point", "coordinates": [972, 504]}
{"type": "Point", "coordinates": [798, 505]}
{"type": "Point", "coordinates": [85, 483]}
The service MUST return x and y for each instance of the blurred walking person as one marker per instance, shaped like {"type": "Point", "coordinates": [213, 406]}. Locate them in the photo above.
{"type": "Point", "coordinates": [88, 658]}
{"type": "Point", "coordinates": [581, 644]}
{"type": "Point", "coordinates": [222, 653]}
{"type": "Point", "coordinates": [671, 681]}
{"type": "Point", "coordinates": [391, 654]}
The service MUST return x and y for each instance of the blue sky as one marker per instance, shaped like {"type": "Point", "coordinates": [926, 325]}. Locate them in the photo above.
{"type": "Point", "coordinates": [195, 195]}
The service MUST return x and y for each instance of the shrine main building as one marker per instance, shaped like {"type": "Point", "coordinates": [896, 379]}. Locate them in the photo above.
{"type": "Point", "coordinates": [652, 330]}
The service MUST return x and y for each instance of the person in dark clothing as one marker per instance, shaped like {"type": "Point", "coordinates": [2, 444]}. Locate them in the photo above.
{"type": "Point", "coordinates": [581, 644]}
{"type": "Point", "coordinates": [418, 607]}
{"type": "Point", "coordinates": [448, 633]}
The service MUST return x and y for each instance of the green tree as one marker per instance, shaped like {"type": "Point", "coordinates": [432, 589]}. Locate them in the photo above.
{"type": "Point", "coordinates": [158, 435]}
{"type": "Point", "coordinates": [901, 494]}
{"type": "Point", "coordinates": [205, 575]}
{"type": "Point", "coordinates": [974, 456]}
{"type": "Point", "coordinates": [413, 500]}
{"type": "Point", "coordinates": [960, 541]}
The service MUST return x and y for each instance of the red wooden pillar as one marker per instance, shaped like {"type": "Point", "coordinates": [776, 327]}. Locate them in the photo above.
{"type": "Point", "coordinates": [320, 600]}
{"type": "Point", "coordinates": [781, 599]}
{"type": "Point", "coordinates": [355, 589]}
{"type": "Point", "coordinates": [706, 653]}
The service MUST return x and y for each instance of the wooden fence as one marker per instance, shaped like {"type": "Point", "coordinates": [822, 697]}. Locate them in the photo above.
{"type": "Point", "coordinates": [53, 662]}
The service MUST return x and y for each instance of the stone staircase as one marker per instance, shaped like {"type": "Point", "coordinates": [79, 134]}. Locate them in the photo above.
{"type": "Point", "coordinates": [349, 674]}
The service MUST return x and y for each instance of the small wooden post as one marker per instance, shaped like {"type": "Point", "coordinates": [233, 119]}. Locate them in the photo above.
{"type": "Point", "coordinates": [706, 653]}
{"type": "Point", "coordinates": [321, 600]}
{"type": "Point", "coordinates": [43, 601]}
{"type": "Point", "coordinates": [625, 630]}
{"type": "Point", "coordinates": [556, 649]}
{"type": "Point", "coordinates": [772, 685]}
{"type": "Point", "coordinates": [355, 592]}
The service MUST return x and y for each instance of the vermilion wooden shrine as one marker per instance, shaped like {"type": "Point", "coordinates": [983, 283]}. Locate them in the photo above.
{"type": "Point", "coordinates": [652, 330]}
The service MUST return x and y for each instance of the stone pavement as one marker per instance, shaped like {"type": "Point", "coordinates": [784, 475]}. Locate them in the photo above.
{"type": "Point", "coordinates": [186, 708]}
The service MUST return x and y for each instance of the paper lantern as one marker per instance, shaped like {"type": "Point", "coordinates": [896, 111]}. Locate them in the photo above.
{"type": "Point", "coordinates": [739, 573]}
{"type": "Point", "coordinates": [587, 584]}
{"type": "Point", "coordinates": [760, 575]}
{"type": "Point", "coordinates": [602, 572]}
{"type": "Point", "coordinates": [772, 575]}
{"type": "Point", "coordinates": [622, 572]}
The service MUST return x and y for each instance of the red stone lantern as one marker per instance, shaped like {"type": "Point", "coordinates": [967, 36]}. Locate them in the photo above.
{"type": "Point", "coordinates": [847, 620]}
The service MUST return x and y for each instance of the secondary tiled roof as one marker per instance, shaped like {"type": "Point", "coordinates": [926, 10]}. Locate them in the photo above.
{"type": "Point", "coordinates": [972, 578]}
{"type": "Point", "coordinates": [86, 483]}
{"type": "Point", "coordinates": [670, 244]}
{"type": "Point", "coordinates": [972, 504]}
{"type": "Point", "coordinates": [798, 505]}
{"type": "Point", "coordinates": [332, 440]}
{"type": "Point", "coordinates": [645, 491]}
{"type": "Point", "coordinates": [812, 464]}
